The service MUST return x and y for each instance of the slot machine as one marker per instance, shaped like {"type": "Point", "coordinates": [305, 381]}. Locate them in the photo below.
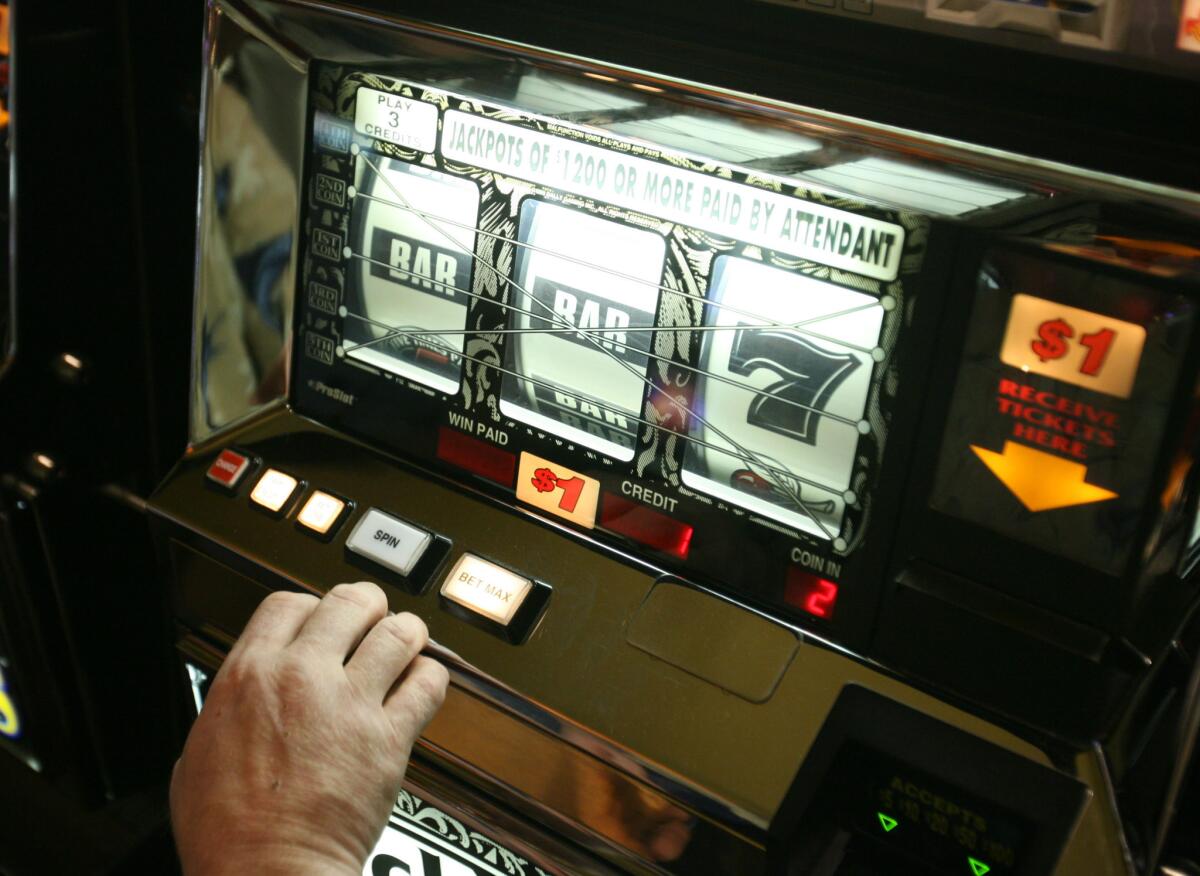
{"type": "Point", "coordinates": [787, 492]}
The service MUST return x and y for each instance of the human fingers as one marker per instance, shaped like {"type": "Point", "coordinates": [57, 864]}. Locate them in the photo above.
{"type": "Point", "coordinates": [343, 617]}
{"type": "Point", "coordinates": [385, 652]}
{"type": "Point", "coordinates": [276, 621]}
{"type": "Point", "coordinates": [415, 701]}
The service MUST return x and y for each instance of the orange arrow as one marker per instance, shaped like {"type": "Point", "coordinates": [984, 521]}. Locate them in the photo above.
{"type": "Point", "coordinates": [1040, 480]}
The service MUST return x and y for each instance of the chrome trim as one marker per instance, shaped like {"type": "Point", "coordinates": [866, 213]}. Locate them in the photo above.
{"type": "Point", "coordinates": [125, 496]}
{"type": "Point", "coordinates": [196, 678]}
{"type": "Point", "coordinates": [290, 42]}
{"type": "Point", "coordinates": [818, 122]}
{"type": "Point", "coordinates": [254, 363]}
{"type": "Point", "coordinates": [207, 47]}
{"type": "Point", "coordinates": [504, 698]}
{"type": "Point", "coordinates": [8, 355]}
{"type": "Point", "coordinates": [485, 816]}
{"type": "Point", "coordinates": [1109, 794]}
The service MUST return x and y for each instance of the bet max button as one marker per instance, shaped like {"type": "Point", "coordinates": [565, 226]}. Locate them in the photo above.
{"type": "Point", "coordinates": [486, 588]}
{"type": "Point", "coordinates": [493, 597]}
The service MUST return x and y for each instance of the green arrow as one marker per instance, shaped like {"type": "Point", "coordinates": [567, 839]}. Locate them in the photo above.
{"type": "Point", "coordinates": [978, 867]}
{"type": "Point", "coordinates": [887, 821]}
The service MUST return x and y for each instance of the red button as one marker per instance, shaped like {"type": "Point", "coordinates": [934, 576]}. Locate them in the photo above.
{"type": "Point", "coordinates": [229, 468]}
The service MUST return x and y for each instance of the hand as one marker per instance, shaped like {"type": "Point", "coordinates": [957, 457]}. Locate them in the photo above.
{"type": "Point", "coordinates": [297, 758]}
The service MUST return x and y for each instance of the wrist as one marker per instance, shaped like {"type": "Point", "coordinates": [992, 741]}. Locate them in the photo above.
{"type": "Point", "coordinates": [268, 857]}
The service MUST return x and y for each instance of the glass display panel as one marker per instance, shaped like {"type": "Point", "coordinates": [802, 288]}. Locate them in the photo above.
{"type": "Point", "coordinates": [414, 234]}
{"type": "Point", "coordinates": [554, 95]}
{"type": "Point", "coordinates": [786, 363]}
{"type": "Point", "coordinates": [915, 187]}
{"type": "Point", "coordinates": [529, 304]}
{"type": "Point", "coordinates": [576, 271]}
{"type": "Point", "coordinates": [716, 137]}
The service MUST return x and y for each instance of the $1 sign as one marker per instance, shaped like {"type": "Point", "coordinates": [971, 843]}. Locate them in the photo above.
{"type": "Point", "coordinates": [1052, 343]}
{"type": "Point", "coordinates": [544, 480]}
{"type": "Point", "coordinates": [558, 490]}
{"type": "Point", "coordinates": [1097, 351]}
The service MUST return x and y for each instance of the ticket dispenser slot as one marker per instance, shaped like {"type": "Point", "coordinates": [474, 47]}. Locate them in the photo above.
{"type": "Point", "coordinates": [1064, 392]}
{"type": "Point", "coordinates": [1049, 495]}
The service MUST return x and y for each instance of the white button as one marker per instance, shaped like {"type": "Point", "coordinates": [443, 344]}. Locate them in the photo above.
{"type": "Point", "coordinates": [392, 543]}
{"type": "Point", "coordinates": [273, 489]}
{"type": "Point", "coordinates": [320, 512]}
{"type": "Point", "coordinates": [486, 588]}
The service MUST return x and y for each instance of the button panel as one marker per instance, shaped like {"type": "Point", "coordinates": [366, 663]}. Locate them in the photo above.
{"type": "Point", "coordinates": [392, 543]}
{"type": "Point", "coordinates": [479, 592]}
{"type": "Point", "coordinates": [229, 469]}
{"type": "Point", "coordinates": [274, 492]}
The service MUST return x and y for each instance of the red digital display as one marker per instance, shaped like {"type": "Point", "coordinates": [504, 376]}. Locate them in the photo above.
{"type": "Point", "coordinates": [810, 592]}
{"type": "Point", "coordinates": [645, 525]}
{"type": "Point", "coordinates": [476, 456]}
